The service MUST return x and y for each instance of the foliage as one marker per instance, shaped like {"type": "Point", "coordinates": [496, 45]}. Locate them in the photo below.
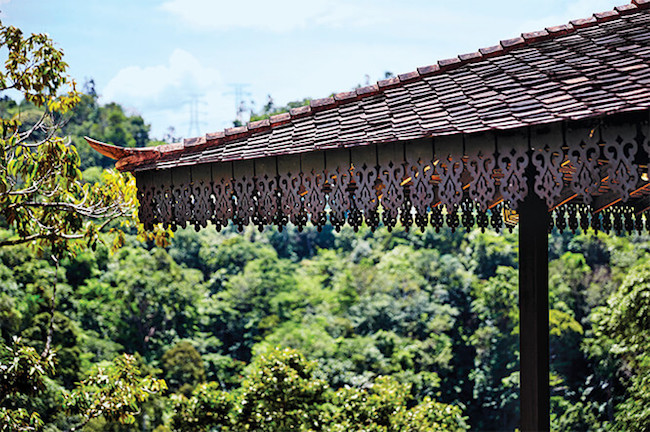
{"type": "Point", "coordinates": [384, 406]}
{"type": "Point", "coordinates": [182, 367]}
{"type": "Point", "coordinates": [625, 326]}
{"type": "Point", "coordinates": [281, 393]}
{"type": "Point", "coordinates": [270, 109]}
{"type": "Point", "coordinates": [22, 373]}
{"type": "Point", "coordinates": [497, 348]}
{"type": "Point", "coordinates": [208, 406]}
{"type": "Point", "coordinates": [22, 370]}
{"type": "Point", "coordinates": [42, 194]}
{"type": "Point", "coordinates": [114, 391]}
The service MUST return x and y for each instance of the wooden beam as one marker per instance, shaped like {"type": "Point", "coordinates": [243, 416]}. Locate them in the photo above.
{"type": "Point", "coordinates": [533, 313]}
{"type": "Point", "coordinates": [607, 200]}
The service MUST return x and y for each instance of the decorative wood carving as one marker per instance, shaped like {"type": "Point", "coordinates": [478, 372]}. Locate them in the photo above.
{"type": "Point", "coordinates": [584, 155]}
{"type": "Point", "coordinates": [512, 163]}
{"type": "Point", "coordinates": [409, 184]}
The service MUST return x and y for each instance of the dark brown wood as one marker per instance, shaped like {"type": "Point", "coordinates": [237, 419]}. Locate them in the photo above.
{"type": "Point", "coordinates": [533, 314]}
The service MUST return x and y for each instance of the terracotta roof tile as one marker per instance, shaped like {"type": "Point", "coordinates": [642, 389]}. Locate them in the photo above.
{"type": "Point", "coordinates": [587, 68]}
{"type": "Point", "coordinates": [189, 142]}
{"type": "Point", "coordinates": [426, 70]}
{"type": "Point", "coordinates": [470, 56]}
{"type": "Point", "coordinates": [561, 29]}
{"type": "Point", "coordinates": [410, 76]}
{"type": "Point", "coordinates": [343, 96]}
{"type": "Point", "coordinates": [625, 9]}
{"type": "Point", "coordinates": [512, 43]}
{"type": "Point", "coordinates": [300, 111]}
{"type": "Point", "coordinates": [368, 90]}
{"type": "Point", "coordinates": [215, 135]}
{"type": "Point", "coordinates": [446, 63]}
{"type": "Point", "coordinates": [389, 82]}
{"type": "Point", "coordinates": [493, 50]}
{"type": "Point", "coordinates": [236, 130]}
{"type": "Point", "coordinates": [606, 16]}
{"type": "Point", "coordinates": [322, 103]}
{"type": "Point", "coordinates": [583, 22]}
{"type": "Point", "coordinates": [535, 36]}
{"type": "Point", "coordinates": [260, 124]}
{"type": "Point", "coordinates": [280, 119]}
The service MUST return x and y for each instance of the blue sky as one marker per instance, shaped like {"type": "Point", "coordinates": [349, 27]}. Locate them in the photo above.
{"type": "Point", "coordinates": [155, 56]}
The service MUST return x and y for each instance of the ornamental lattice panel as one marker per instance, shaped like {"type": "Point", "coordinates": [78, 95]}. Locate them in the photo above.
{"type": "Point", "coordinates": [591, 177]}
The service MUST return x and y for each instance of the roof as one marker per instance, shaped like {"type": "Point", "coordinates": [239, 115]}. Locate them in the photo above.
{"type": "Point", "coordinates": [585, 69]}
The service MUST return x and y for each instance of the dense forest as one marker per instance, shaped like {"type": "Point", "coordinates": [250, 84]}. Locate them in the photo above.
{"type": "Point", "coordinates": [311, 330]}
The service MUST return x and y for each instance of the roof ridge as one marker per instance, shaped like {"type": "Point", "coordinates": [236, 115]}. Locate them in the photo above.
{"type": "Point", "coordinates": [440, 67]}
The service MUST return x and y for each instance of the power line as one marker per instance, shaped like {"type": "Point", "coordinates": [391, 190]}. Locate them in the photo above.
{"type": "Point", "coordinates": [195, 124]}
{"type": "Point", "coordinates": [238, 90]}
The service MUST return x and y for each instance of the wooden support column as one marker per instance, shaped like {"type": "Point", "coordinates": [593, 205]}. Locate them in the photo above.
{"type": "Point", "coordinates": [533, 313]}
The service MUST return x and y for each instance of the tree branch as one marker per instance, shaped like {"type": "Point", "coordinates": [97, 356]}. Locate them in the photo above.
{"type": "Point", "coordinates": [50, 328]}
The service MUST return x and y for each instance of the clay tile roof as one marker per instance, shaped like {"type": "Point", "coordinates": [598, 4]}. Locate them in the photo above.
{"type": "Point", "coordinates": [260, 124]}
{"type": "Point", "coordinates": [368, 90]}
{"type": "Point", "coordinates": [495, 49]}
{"type": "Point", "coordinates": [426, 70]}
{"type": "Point", "coordinates": [215, 135]}
{"type": "Point", "coordinates": [535, 36]}
{"type": "Point", "coordinates": [561, 73]}
{"type": "Point", "coordinates": [236, 130]}
{"type": "Point", "coordinates": [608, 15]}
{"type": "Point", "coordinates": [188, 142]}
{"type": "Point", "coordinates": [410, 76]}
{"type": "Point", "coordinates": [345, 96]}
{"type": "Point", "coordinates": [322, 103]}
{"type": "Point", "coordinates": [448, 62]}
{"type": "Point", "coordinates": [389, 82]}
{"type": "Point", "coordinates": [300, 111]}
{"type": "Point", "coordinates": [583, 22]}
{"type": "Point", "coordinates": [628, 8]}
{"type": "Point", "coordinates": [563, 28]}
{"type": "Point", "coordinates": [280, 119]}
{"type": "Point", "coordinates": [470, 56]}
{"type": "Point", "coordinates": [511, 43]}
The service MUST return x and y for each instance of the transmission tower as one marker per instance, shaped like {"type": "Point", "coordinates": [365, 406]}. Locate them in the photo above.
{"type": "Point", "coordinates": [238, 90]}
{"type": "Point", "coordinates": [195, 124]}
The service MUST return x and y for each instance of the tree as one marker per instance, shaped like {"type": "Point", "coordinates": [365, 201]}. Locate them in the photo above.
{"type": "Point", "coordinates": [496, 342]}
{"type": "Point", "coordinates": [22, 375]}
{"type": "Point", "coordinates": [281, 393]}
{"type": "Point", "coordinates": [114, 391]}
{"type": "Point", "coordinates": [183, 367]}
{"type": "Point", "coordinates": [384, 407]}
{"type": "Point", "coordinates": [45, 203]}
{"type": "Point", "coordinates": [42, 195]}
{"type": "Point", "coordinates": [208, 406]}
{"type": "Point", "coordinates": [623, 326]}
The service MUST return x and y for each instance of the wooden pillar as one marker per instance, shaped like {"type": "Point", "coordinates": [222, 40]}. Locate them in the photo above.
{"type": "Point", "coordinates": [533, 313]}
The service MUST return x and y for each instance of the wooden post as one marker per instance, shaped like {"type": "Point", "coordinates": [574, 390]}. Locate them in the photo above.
{"type": "Point", "coordinates": [533, 313]}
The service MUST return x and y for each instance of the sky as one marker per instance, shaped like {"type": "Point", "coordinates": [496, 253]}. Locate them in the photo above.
{"type": "Point", "coordinates": [160, 58]}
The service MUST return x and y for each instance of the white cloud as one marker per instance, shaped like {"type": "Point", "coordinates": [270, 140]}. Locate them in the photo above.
{"type": "Point", "coordinates": [164, 93]}
{"type": "Point", "coordinates": [419, 18]}
{"type": "Point", "coordinates": [571, 11]}
{"type": "Point", "coordinates": [163, 86]}
{"type": "Point", "coordinates": [275, 16]}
